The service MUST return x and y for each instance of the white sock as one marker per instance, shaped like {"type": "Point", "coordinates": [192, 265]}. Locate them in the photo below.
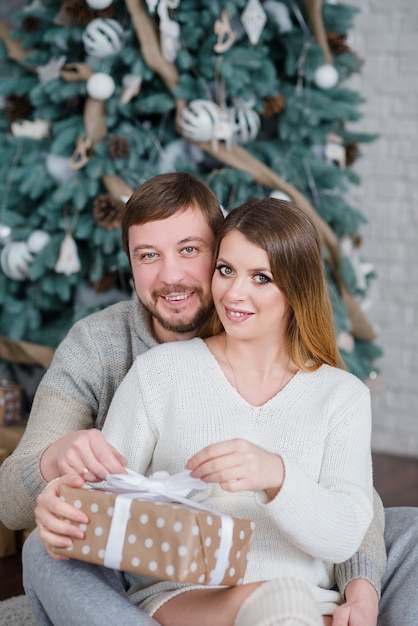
{"type": "Point", "coordinates": [280, 602]}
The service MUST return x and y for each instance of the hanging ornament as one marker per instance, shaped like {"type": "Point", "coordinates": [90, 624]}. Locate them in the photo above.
{"type": "Point", "coordinates": [253, 19]}
{"type": "Point", "coordinates": [279, 14]}
{"type": "Point", "coordinates": [226, 36]}
{"type": "Point", "coordinates": [59, 168]}
{"type": "Point", "coordinates": [335, 150]}
{"type": "Point", "coordinates": [100, 86]}
{"type": "Point", "coordinates": [152, 5]}
{"type": "Point", "coordinates": [280, 195]}
{"type": "Point", "coordinates": [131, 86]}
{"type": "Point", "coordinates": [198, 120]}
{"type": "Point", "coordinates": [103, 37]}
{"type": "Point", "coordinates": [5, 233]}
{"type": "Point", "coordinates": [345, 341]}
{"type": "Point", "coordinates": [37, 240]}
{"type": "Point", "coordinates": [68, 261]}
{"type": "Point", "coordinates": [326, 76]}
{"type": "Point", "coordinates": [247, 125]}
{"type": "Point", "coordinates": [15, 260]}
{"type": "Point", "coordinates": [51, 70]}
{"type": "Point", "coordinates": [362, 269]}
{"type": "Point", "coordinates": [35, 130]}
{"type": "Point", "coordinates": [169, 33]}
{"type": "Point", "coordinates": [98, 5]}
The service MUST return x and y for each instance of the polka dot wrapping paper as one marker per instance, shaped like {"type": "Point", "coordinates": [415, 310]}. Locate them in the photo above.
{"type": "Point", "coordinates": [170, 541]}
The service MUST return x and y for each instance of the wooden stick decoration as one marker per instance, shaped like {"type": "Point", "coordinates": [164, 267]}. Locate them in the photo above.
{"type": "Point", "coordinates": [314, 11]}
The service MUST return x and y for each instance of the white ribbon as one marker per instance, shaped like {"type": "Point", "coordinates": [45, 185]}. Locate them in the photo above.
{"type": "Point", "coordinates": [162, 487]}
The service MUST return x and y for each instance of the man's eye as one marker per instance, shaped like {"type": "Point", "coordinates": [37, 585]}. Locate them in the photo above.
{"type": "Point", "coordinates": [224, 270]}
{"type": "Point", "coordinates": [189, 249]}
{"type": "Point", "coordinates": [262, 279]}
{"type": "Point", "coordinates": [149, 255]}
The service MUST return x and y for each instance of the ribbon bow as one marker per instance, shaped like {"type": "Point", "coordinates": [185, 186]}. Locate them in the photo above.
{"type": "Point", "coordinates": [171, 487]}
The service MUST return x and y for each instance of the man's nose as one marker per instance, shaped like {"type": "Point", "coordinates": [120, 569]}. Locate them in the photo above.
{"type": "Point", "coordinates": [171, 269]}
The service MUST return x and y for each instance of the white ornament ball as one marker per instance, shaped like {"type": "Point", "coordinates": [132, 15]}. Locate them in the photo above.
{"type": "Point", "coordinates": [247, 125]}
{"type": "Point", "coordinates": [103, 37]}
{"type": "Point", "coordinates": [5, 233]}
{"type": "Point", "coordinates": [16, 259]}
{"type": "Point", "coordinates": [198, 120]}
{"type": "Point", "coordinates": [280, 195]}
{"type": "Point", "coordinates": [37, 240]}
{"type": "Point", "coordinates": [58, 167]}
{"type": "Point", "coordinates": [97, 5]}
{"type": "Point", "coordinates": [100, 86]}
{"type": "Point", "coordinates": [326, 76]}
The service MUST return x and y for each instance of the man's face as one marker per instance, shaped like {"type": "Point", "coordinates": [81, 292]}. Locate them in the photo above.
{"type": "Point", "coordinates": [172, 266]}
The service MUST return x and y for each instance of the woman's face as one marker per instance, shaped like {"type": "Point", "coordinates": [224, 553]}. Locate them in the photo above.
{"type": "Point", "coordinates": [248, 302]}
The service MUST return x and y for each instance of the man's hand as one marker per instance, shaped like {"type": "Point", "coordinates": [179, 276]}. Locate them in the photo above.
{"type": "Point", "coordinates": [361, 607]}
{"type": "Point", "coordinates": [83, 452]}
{"type": "Point", "coordinates": [57, 520]}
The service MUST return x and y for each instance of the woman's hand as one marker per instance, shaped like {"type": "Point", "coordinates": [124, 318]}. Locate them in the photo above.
{"type": "Point", "coordinates": [57, 520]}
{"type": "Point", "coordinates": [361, 607]}
{"type": "Point", "coordinates": [83, 452]}
{"type": "Point", "coordinates": [238, 465]}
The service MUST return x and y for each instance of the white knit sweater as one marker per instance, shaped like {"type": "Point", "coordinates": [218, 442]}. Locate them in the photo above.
{"type": "Point", "coordinates": [175, 400]}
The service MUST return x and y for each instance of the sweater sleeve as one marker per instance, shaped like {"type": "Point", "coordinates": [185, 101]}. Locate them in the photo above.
{"type": "Point", "coordinates": [327, 516]}
{"type": "Point", "coordinates": [128, 426]}
{"type": "Point", "coordinates": [64, 402]}
{"type": "Point", "coordinates": [369, 562]}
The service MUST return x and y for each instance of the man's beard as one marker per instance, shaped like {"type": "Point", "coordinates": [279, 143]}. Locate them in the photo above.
{"type": "Point", "coordinates": [180, 325]}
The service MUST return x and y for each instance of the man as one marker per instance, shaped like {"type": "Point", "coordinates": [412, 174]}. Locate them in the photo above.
{"type": "Point", "coordinates": [168, 232]}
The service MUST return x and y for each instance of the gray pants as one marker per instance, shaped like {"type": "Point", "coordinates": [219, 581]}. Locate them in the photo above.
{"type": "Point", "coordinates": [74, 593]}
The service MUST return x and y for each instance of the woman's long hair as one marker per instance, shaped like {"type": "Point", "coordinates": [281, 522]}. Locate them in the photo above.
{"type": "Point", "coordinates": [292, 244]}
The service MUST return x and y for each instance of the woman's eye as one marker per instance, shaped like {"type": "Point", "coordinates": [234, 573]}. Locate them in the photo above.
{"type": "Point", "coordinates": [262, 279]}
{"type": "Point", "coordinates": [224, 270]}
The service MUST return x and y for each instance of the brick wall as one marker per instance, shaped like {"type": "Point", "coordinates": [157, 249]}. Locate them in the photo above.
{"type": "Point", "coordinates": [386, 37]}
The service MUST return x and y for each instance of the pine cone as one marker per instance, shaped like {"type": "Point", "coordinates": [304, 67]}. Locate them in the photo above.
{"type": "Point", "coordinates": [108, 211]}
{"type": "Point", "coordinates": [351, 153]}
{"type": "Point", "coordinates": [105, 283]}
{"type": "Point", "coordinates": [118, 147]}
{"type": "Point", "coordinates": [79, 11]}
{"type": "Point", "coordinates": [17, 107]}
{"type": "Point", "coordinates": [30, 24]}
{"type": "Point", "coordinates": [274, 106]}
{"type": "Point", "coordinates": [337, 43]}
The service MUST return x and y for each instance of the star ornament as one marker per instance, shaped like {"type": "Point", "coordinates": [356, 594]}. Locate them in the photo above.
{"type": "Point", "coordinates": [51, 70]}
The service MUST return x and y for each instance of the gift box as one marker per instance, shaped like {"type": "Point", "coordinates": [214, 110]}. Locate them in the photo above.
{"type": "Point", "coordinates": [171, 540]}
{"type": "Point", "coordinates": [10, 402]}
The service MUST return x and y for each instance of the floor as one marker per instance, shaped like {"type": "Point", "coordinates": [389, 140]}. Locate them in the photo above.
{"type": "Point", "coordinates": [396, 480]}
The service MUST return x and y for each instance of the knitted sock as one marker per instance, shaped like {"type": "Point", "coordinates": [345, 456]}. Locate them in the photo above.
{"type": "Point", "coordinates": [280, 602]}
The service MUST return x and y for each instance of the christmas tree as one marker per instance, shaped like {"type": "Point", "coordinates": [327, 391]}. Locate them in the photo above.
{"type": "Point", "coordinates": [98, 96]}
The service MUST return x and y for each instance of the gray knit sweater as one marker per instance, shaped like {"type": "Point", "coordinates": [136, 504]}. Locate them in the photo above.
{"type": "Point", "coordinates": [75, 394]}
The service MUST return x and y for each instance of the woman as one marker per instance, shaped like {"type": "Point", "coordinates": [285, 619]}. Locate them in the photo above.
{"type": "Point", "coordinates": [284, 441]}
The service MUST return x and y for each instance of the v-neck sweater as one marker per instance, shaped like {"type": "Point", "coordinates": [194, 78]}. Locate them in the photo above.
{"type": "Point", "coordinates": [176, 400]}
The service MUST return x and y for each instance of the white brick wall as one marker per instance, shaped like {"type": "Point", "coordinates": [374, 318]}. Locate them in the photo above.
{"type": "Point", "coordinates": [386, 37]}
